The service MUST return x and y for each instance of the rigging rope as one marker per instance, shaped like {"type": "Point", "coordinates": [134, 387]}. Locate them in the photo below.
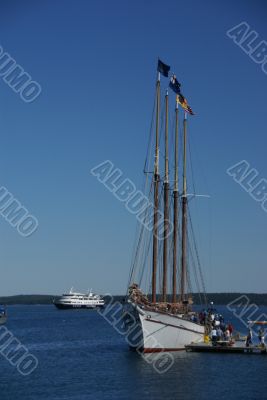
{"type": "Point", "coordinates": [198, 259]}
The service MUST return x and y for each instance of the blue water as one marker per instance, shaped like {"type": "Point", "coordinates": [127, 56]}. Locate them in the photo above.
{"type": "Point", "coordinates": [82, 357]}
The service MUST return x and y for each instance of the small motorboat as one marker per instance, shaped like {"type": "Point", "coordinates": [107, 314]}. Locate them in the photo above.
{"type": "Point", "coordinates": [3, 315]}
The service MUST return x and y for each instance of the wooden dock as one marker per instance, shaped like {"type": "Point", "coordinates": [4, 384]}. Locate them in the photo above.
{"type": "Point", "coordinates": [209, 348]}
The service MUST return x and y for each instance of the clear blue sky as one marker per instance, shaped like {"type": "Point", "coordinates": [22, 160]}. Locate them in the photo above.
{"type": "Point", "coordinates": [95, 61]}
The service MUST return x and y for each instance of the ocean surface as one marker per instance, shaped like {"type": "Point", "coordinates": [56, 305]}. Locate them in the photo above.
{"type": "Point", "coordinates": [82, 357]}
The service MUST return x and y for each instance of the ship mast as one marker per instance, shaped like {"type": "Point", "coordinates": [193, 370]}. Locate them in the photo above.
{"type": "Point", "coordinates": [156, 197]}
{"type": "Point", "coordinates": [175, 207]}
{"type": "Point", "coordinates": [166, 205]}
{"type": "Point", "coordinates": [184, 216]}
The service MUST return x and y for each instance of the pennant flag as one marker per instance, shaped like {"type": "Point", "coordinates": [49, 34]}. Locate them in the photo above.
{"type": "Point", "coordinates": [181, 100]}
{"type": "Point", "coordinates": [175, 85]}
{"type": "Point", "coordinates": [163, 68]}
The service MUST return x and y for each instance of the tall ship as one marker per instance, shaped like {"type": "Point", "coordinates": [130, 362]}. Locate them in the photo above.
{"type": "Point", "coordinates": [74, 300]}
{"type": "Point", "coordinates": [159, 301]}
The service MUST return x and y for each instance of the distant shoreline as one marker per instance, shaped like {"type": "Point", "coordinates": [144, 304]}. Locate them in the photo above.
{"type": "Point", "coordinates": [217, 298]}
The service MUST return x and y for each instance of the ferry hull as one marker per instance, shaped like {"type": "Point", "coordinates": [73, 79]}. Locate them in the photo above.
{"type": "Point", "coordinates": [157, 331]}
{"type": "Point", "coordinates": [74, 307]}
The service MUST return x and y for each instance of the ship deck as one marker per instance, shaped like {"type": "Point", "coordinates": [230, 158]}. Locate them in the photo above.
{"type": "Point", "coordinates": [225, 348]}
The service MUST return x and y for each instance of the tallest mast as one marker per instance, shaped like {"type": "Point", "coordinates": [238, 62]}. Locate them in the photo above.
{"type": "Point", "coordinates": [166, 205]}
{"type": "Point", "coordinates": [156, 197]}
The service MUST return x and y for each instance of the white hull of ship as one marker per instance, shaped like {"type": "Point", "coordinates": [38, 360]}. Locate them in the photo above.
{"type": "Point", "coordinates": [159, 331]}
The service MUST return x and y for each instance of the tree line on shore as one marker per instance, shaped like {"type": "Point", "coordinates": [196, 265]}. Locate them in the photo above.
{"type": "Point", "coordinates": [216, 298]}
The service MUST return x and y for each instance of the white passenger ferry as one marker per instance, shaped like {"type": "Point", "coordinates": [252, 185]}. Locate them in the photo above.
{"type": "Point", "coordinates": [79, 300]}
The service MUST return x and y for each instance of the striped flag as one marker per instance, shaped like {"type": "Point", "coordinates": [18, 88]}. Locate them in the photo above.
{"type": "Point", "coordinates": [183, 102]}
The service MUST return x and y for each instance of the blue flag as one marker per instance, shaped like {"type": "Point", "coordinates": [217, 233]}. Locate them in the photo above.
{"type": "Point", "coordinates": [163, 68]}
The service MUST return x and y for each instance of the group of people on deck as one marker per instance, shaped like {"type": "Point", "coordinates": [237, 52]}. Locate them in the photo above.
{"type": "Point", "coordinates": [261, 337]}
{"type": "Point", "coordinates": [221, 332]}
{"type": "Point", "coordinates": [218, 330]}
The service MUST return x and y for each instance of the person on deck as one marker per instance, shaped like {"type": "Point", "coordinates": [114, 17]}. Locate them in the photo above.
{"type": "Point", "coordinates": [214, 336]}
{"type": "Point", "coordinates": [223, 326]}
{"type": "Point", "coordinates": [227, 335]}
{"type": "Point", "coordinates": [217, 322]}
{"type": "Point", "coordinates": [249, 339]}
{"type": "Point", "coordinates": [261, 336]}
{"type": "Point", "coordinates": [219, 333]}
{"type": "Point", "coordinates": [230, 328]}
